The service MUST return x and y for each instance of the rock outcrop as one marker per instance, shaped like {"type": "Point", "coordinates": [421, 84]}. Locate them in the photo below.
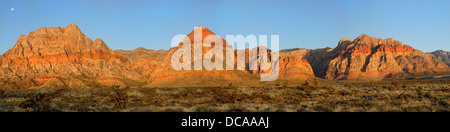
{"type": "Point", "coordinates": [165, 74]}
{"type": "Point", "coordinates": [443, 56]}
{"type": "Point", "coordinates": [65, 57]}
{"type": "Point", "coordinates": [62, 57]}
{"type": "Point", "coordinates": [374, 58]}
{"type": "Point", "coordinates": [144, 61]}
{"type": "Point", "coordinates": [294, 65]}
{"type": "Point", "coordinates": [141, 52]}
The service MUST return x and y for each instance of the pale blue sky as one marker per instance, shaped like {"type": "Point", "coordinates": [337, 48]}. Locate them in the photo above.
{"type": "Point", "coordinates": [128, 24]}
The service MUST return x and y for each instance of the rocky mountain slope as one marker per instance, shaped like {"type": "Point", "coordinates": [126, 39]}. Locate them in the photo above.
{"type": "Point", "coordinates": [141, 52]}
{"type": "Point", "coordinates": [65, 57]}
{"type": "Point", "coordinates": [165, 74]}
{"type": "Point", "coordinates": [62, 57]}
{"type": "Point", "coordinates": [443, 56]}
{"type": "Point", "coordinates": [374, 58]}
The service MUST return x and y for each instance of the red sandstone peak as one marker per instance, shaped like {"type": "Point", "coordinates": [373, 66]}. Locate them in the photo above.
{"type": "Point", "coordinates": [71, 29]}
{"type": "Point", "coordinates": [367, 57]}
{"type": "Point", "coordinates": [367, 40]}
{"type": "Point", "coordinates": [57, 41]}
{"type": "Point", "coordinates": [54, 40]}
{"type": "Point", "coordinates": [205, 32]}
{"type": "Point", "coordinates": [202, 32]}
{"type": "Point", "coordinates": [59, 57]}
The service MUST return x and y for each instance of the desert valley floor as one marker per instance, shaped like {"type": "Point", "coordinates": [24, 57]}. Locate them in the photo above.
{"type": "Point", "coordinates": [56, 69]}
{"type": "Point", "coordinates": [424, 95]}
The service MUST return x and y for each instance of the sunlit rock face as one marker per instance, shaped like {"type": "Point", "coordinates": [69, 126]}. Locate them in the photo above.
{"type": "Point", "coordinates": [374, 58]}
{"type": "Point", "coordinates": [65, 57]}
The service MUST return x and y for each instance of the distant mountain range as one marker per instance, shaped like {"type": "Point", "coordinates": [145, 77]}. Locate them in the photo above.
{"type": "Point", "coordinates": [443, 56]}
{"type": "Point", "coordinates": [65, 57]}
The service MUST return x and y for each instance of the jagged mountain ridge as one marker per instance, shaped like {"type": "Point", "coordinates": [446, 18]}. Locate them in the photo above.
{"type": "Point", "coordinates": [65, 57]}
{"type": "Point", "coordinates": [444, 56]}
{"type": "Point", "coordinates": [62, 57]}
{"type": "Point", "coordinates": [369, 58]}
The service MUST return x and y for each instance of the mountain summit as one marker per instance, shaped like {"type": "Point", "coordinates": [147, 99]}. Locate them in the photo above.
{"type": "Point", "coordinates": [62, 57]}
{"type": "Point", "coordinates": [56, 41]}
{"type": "Point", "coordinates": [443, 56]}
{"type": "Point", "coordinates": [375, 58]}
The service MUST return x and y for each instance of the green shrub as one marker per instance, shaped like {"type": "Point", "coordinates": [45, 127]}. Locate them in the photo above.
{"type": "Point", "coordinates": [277, 84]}
{"type": "Point", "coordinates": [120, 98]}
{"type": "Point", "coordinates": [444, 103]}
{"type": "Point", "coordinates": [402, 96]}
{"type": "Point", "coordinates": [316, 83]}
{"type": "Point", "coordinates": [2, 93]}
{"type": "Point", "coordinates": [226, 94]}
{"type": "Point", "coordinates": [394, 83]}
{"type": "Point", "coordinates": [428, 95]}
{"type": "Point", "coordinates": [285, 84]}
{"type": "Point", "coordinates": [306, 84]}
{"type": "Point", "coordinates": [268, 96]}
{"type": "Point", "coordinates": [419, 91]}
{"type": "Point", "coordinates": [35, 102]}
{"type": "Point", "coordinates": [40, 101]}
